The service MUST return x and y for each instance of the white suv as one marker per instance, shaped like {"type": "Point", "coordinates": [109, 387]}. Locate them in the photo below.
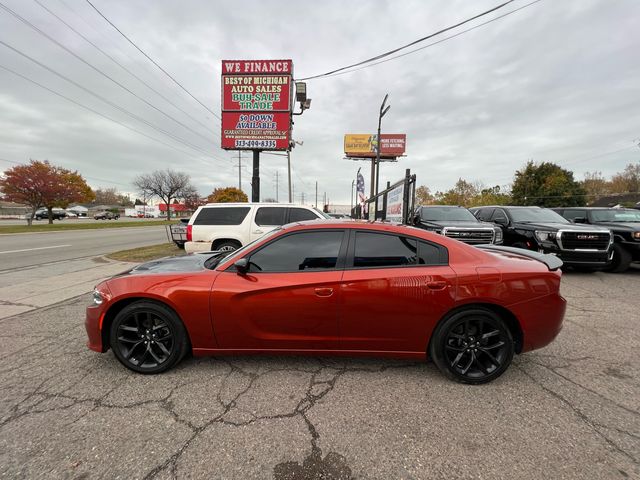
{"type": "Point", "coordinates": [227, 226]}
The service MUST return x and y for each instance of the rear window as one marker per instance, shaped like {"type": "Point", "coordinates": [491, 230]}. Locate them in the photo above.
{"type": "Point", "coordinates": [301, 214]}
{"type": "Point", "coordinates": [270, 216]}
{"type": "Point", "coordinates": [221, 216]}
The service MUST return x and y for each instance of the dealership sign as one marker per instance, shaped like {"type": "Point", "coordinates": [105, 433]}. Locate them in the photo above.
{"type": "Point", "coordinates": [395, 200]}
{"type": "Point", "coordinates": [365, 145]}
{"type": "Point", "coordinates": [256, 104]}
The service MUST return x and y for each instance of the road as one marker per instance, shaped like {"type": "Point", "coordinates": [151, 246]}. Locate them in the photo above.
{"type": "Point", "coordinates": [568, 411]}
{"type": "Point", "coordinates": [33, 249]}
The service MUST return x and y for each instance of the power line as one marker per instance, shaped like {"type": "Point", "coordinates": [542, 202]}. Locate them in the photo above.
{"type": "Point", "coordinates": [53, 40]}
{"type": "Point", "coordinates": [395, 50]}
{"type": "Point", "coordinates": [207, 127]}
{"type": "Point", "coordinates": [105, 100]}
{"type": "Point", "coordinates": [96, 112]}
{"type": "Point", "coordinates": [437, 42]}
{"type": "Point", "coordinates": [153, 61]}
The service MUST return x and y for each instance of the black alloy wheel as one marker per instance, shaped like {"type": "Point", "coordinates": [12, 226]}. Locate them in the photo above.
{"type": "Point", "coordinates": [472, 346]}
{"type": "Point", "coordinates": [148, 337]}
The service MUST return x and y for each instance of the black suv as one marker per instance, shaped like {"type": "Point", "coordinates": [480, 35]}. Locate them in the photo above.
{"type": "Point", "coordinates": [457, 223]}
{"type": "Point", "coordinates": [543, 230]}
{"type": "Point", "coordinates": [623, 222]}
{"type": "Point", "coordinates": [56, 214]}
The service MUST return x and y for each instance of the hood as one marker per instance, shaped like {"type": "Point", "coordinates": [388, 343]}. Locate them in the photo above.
{"type": "Point", "coordinates": [621, 226]}
{"type": "Point", "coordinates": [455, 223]}
{"type": "Point", "coordinates": [182, 264]}
{"type": "Point", "coordinates": [574, 227]}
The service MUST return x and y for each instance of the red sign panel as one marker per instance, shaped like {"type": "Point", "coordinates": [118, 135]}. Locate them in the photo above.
{"type": "Point", "coordinates": [256, 104]}
{"type": "Point", "coordinates": [255, 130]}
{"type": "Point", "coordinates": [393, 144]}
{"type": "Point", "coordinates": [256, 92]}
{"type": "Point", "coordinates": [257, 67]}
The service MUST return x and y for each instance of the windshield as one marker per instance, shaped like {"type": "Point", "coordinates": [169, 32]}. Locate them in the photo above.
{"type": "Point", "coordinates": [536, 215]}
{"type": "Point", "coordinates": [324, 215]}
{"type": "Point", "coordinates": [615, 215]}
{"type": "Point", "coordinates": [215, 260]}
{"type": "Point", "coordinates": [437, 214]}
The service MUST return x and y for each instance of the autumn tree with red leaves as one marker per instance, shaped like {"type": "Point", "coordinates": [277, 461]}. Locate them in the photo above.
{"type": "Point", "coordinates": [40, 184]}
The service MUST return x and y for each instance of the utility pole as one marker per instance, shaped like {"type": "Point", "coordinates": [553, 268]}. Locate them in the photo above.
{"type": "Point", "coordinates": [277, 190]}
{"type": "Point", "coordinates": [255, 180]}
{"type": "Point", "coordinates": [316, 194]}
{"type": "Point", "coordinates": [289, 174]}
{"type": "Point", "coordinates": [383, 111]}
{"type": "Point", "coordinates": [302, 198]}
{"type": "Point", "coordinates": [324, 199]}
{"type": "Point", "coordinates": [239, 170]}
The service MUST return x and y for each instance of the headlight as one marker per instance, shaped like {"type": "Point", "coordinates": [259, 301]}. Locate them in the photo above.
{"type": "Point", "coordinates": [97, 297]}
{"type": "Point", "coordinates": [545, 235]}
{"type": "Point", "coordinates": [636, 235]}
{"type": "Point", "coordinates": [498, 238]}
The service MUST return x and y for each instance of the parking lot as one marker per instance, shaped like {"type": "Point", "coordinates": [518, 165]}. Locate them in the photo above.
{"type": "Point", "coordinates": [570, 410]}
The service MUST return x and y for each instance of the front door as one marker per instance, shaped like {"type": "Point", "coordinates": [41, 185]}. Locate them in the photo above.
{"type": "Point", "coordinates": [288, 299]}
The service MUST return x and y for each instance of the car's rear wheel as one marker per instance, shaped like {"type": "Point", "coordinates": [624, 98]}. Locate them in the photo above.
{"type": "Point", "coordinates": [226, 246]}
{"type": "Point", "coordinates": [621, 259]}
{"type": "Point", "coordinates": [472, 346]}
{"type": "Point", "coordinates": [148, 337]}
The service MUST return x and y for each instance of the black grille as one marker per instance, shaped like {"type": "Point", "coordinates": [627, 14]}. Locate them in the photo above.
{"type": "Point", "coordinates": [585, 240]}
{"type": "Point", "coordinates": [470, 236]}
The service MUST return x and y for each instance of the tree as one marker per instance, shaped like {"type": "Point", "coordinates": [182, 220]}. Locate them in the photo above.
{"type": "Point", "coordinates": [547, 185]}
{"type": "Point", "coordinates": [164, 184]}
{"type": "Point", "coordinates": [227, 195]}
{"type": "Point", "coordinates": [491, 196]}
{"type": "Point", "coordinates": [462, 193]}
{"type": "Point", "coordinates": [627, 181]}
{"type": "Point", "coordinates": [423, 195]}
{"type": "Point", "coordinates": [595, 185]}
{"type": "Point", "coordinates": [106, 196]}
{"type": "Point", "coordinates": [40, 184]}
{"type": "Point", "coordinates": [192, 199]}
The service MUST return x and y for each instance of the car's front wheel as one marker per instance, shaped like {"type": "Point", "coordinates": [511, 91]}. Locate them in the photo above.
{"type": "Point", "coordinates": [148, 337]}
{"type": "Point", "coordinates": [472, 346]}
{"type": "Point", "coordinates": [621, 259]}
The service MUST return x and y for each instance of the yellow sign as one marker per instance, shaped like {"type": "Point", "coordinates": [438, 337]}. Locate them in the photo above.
{"type": "Point", "coordinates": [358, 144]}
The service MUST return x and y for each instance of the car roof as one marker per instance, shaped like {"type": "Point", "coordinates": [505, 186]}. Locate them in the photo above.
{"type": "Point", "coordinates": [443, 206]}
{"type": "Point", "coordinates": [250, 204]}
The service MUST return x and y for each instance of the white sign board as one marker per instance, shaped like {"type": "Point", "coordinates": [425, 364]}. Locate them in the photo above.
{"type": "Point", "coordinates": [394, 204]}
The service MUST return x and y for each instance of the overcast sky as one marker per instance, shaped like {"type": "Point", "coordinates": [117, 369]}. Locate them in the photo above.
{"type": "Point", "coordinates": [557, 81]}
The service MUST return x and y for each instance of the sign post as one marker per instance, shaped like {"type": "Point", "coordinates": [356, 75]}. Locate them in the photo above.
{"type": "Point", "coordinates": [256, 109]}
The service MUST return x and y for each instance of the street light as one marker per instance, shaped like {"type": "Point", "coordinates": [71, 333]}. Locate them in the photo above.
{"type": "Point", "coordinates": [383, 112]}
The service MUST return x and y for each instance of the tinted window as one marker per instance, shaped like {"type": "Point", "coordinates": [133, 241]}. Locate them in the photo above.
{"type": "Point", "coordinates": [535, 214]}
{"type": "Point", "coordinates": [430, 255]}
{"type": "Point", "coordinates": [300, 215]}
{"type": "Point", "coordinates": [446, 213]}
{"type": "Point", "coordinates": [270, 216]}
{"type": "Point", "coordinates": [300, 251]}
{"type": "Point", "coordinates": [573, 214]}
{"type": "Point", "coordinates": [498, 214]}
{"type": "Point", "coordinates": [381, 250]}
{"type": "Point", "coordinates": [221, 216]}
{"type": "Point", "coordinates": [484, 214]}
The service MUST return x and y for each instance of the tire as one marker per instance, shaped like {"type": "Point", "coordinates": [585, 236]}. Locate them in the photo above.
{"type": "Point", "coordinates": [136, 324]}
{"type": "Point", "coordinates": [228, 246]}
{"type": "Point", "coordinates": [461, 356]}
{"type": "Point", "coordinates": [621, 259]}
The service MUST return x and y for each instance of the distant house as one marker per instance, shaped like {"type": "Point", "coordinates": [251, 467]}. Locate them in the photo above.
{"type": "Point", "coordinates": [13, 210]}
{"type": "Point", "coordinates": [616, 200]}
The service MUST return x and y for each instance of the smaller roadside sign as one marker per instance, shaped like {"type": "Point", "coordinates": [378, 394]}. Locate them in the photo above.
{"type": "Point", "coordinates": [364, 145]}
{"type": "Point", "coordinates": [394, 204]}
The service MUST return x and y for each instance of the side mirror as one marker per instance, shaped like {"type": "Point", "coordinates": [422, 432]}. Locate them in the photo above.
{"type": "Point", "coordinates": [579, 220]}
{"type": "Point", "coordinates": [242, 266]}
{"type": "Point", "coordinates": [502, 222]}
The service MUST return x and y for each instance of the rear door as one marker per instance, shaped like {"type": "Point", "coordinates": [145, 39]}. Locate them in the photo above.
{"type": "Point", "coordinates": [395, 288]}
{"type": "Point", "coordinates": [266, 219]}
{"type": "Point", "coordinates": [289, 298]}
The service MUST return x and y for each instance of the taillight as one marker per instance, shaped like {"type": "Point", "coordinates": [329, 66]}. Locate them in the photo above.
{"type": "Point", "coordinates": [189, 233]}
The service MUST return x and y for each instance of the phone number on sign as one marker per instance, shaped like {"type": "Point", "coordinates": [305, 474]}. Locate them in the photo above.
{"type": "Point", "coordinates": [255, 144]}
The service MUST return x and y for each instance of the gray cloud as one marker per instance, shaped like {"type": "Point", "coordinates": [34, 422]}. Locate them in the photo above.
{"type": "Point", "coordinates": [556, 81]}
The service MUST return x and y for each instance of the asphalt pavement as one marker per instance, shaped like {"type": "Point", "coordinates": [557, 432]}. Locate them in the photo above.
{"type": "Point", "coordinates": [568, 411]}
{"type": "Point", "coordinates": [39, 269]}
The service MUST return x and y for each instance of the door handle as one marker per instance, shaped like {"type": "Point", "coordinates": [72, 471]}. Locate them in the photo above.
{"type": "Point", "coordinates": [324, 292]}
{"type": "Point", "coordinates": [437, 285]}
